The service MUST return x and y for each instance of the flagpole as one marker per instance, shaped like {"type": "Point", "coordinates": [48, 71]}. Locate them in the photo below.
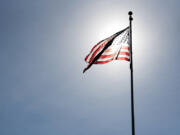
{"type": "Point", "coordinates": [131, 69]}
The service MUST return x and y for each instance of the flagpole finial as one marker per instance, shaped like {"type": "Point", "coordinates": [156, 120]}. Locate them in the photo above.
{"type": "Point", "coordinates": [130, 13]}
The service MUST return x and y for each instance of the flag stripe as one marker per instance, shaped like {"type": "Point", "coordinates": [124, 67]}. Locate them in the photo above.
{"type": "Point", "coordinates": [112, 55]}
{"type": "Point", "coordinates": [103, 62]}
{"type": "Point", "coordinates": [107, 56]}
{"type": "Point", "coordinates": [124, 53]}
{"type": "Point", "coordinates": [125, 47]}
{"type": "Point", "coordinates": [123, 58]}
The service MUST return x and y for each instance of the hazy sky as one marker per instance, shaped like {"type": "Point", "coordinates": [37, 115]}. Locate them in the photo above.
{"type": "Point", "coordinates": [42, 48]}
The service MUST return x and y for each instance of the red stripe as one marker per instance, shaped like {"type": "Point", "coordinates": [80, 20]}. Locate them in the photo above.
{"type": "Point", "coordinates": [124, 53]}
{"type": "Point", "coordinates": [103, 62]}
{"type": "Point", "coordinates": [86, 57]}
{"type": "Point", "coordinates": [123, 58]}
{"type": "Point", "coordinates": [94, 54]}
{"type": "Point", "coordinates": [125, 47]}
{"type": "Point", "coordinates": [107, 56]}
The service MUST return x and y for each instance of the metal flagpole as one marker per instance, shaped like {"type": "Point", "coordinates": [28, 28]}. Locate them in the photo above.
{"type": "Point", "coordinates": [131, 68]}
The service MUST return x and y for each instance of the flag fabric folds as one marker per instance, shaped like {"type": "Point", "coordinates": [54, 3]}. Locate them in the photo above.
{"type": "Point", "coordinates": [115, 47]}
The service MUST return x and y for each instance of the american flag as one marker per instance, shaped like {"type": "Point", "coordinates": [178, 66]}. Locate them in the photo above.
{"type": "Point", "coordinates": [115, 47]}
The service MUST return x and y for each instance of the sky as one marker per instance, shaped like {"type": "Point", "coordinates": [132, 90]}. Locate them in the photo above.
{"type": "Point", "coordinates": [43, 91]}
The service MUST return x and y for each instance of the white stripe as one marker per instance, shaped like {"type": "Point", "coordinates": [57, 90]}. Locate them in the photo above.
{"type": "Point", "coordinates": [124, 50]}
{"type": "Point", "coordinates": [104, 59]}
{"type": "Point", "coordinates": [122, 56]}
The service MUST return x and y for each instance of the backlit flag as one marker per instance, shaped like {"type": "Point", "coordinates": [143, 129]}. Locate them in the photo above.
{"type": "Point", "coordinates": [115, 47]}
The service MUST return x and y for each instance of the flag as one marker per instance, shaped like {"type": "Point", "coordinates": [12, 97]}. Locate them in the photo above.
{"type": "Point", "coordinates": [115, 47]}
